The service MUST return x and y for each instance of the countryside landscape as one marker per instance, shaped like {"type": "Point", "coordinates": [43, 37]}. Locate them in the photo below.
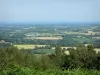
{"type": "Point", "coordinates": [49, 37]}
{"type": "Point", "coordinates": [46, 45]}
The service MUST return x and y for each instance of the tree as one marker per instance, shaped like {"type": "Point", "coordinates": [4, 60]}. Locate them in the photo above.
{"type": "Point", "coordinates": [59, 56]}
{"type": "Point", "coordinates": [83, 57]}
{"type": "Point", "coordinates": [3, 59]}
{"type": "Point", "coordinates": [90, 47]}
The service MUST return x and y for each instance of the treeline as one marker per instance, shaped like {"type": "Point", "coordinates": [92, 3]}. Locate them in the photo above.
{"type": "Point", "coordinates": [82, 57]}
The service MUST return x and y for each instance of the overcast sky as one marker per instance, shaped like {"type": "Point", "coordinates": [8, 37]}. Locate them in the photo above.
{"type": "Point", "coordinates": [50, 10]}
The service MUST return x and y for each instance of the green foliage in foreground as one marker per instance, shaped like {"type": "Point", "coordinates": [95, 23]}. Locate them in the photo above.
{"type": "Point", "coordinates": [29, 71]}
{"type": "Point", "coordinates": [82, 61]}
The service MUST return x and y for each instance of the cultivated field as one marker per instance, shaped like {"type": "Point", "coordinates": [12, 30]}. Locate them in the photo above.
{"type": "Point", "coordinates": [45, 38]}
{"type": "Point", "coordinates": [26, 46]}
{"type": "Point", "coordinates": [97, 50]}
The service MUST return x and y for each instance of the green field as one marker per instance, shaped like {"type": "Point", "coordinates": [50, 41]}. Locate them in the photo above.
{"type": "Point", "coordinates": [83, 39]}
{"type": "Point", "coordinates": [44, 51]}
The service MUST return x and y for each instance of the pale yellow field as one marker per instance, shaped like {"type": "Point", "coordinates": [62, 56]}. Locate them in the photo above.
{"type": "Point", "coordinates": [76, 33]}
{"type": "Point", "coordinates": [91, 32]}
{"type": "Point", "coordinates": [97, 50]}
{"type": "Point", "coordinates": [28, 46]}
{"type": "Point", "coordinates": [45, 38]}
{"type": "Point", "coordinates": [64, 47]}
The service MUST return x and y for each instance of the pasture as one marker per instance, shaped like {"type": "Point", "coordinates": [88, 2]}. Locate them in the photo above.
{"type": "Point", "coordinates": [43, 51]}
{"type": "Point", "coordinates": [83, 39]}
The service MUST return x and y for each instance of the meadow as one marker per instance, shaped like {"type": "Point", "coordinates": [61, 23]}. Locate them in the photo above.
{"type": "Point", "coordinates": [82, 39]}
{"type": "Point", "coordinates": [43, 51]}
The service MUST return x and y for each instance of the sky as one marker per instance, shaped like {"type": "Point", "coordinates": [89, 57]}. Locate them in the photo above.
{"type": "Point", "coordinates": [49, 10]}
